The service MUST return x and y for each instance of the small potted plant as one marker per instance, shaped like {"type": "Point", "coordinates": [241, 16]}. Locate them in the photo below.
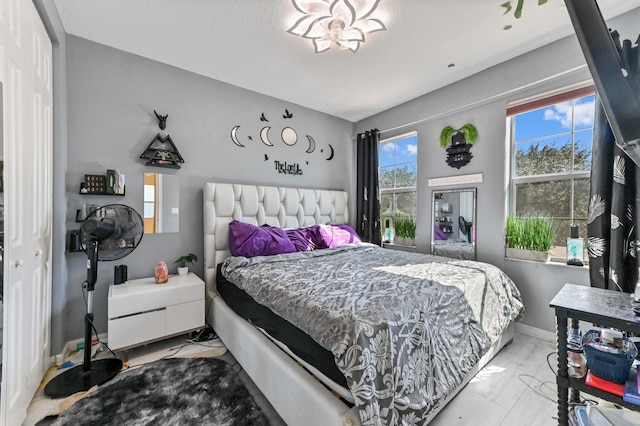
{"type": "Point", "coordinates": [183, 261]}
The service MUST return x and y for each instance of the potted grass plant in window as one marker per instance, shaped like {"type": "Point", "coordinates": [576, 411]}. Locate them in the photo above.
{"type": "Point", "coordinates": [405, 227]}
{"type": "Point", "coordinates": [529, 237]}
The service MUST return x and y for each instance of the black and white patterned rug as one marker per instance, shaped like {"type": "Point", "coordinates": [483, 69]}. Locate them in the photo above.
{"type": "Point", "coordinates": [190, 391]}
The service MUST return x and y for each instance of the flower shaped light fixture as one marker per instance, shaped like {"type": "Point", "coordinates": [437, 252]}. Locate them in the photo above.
{"type": "Point", "coordinates": [343, 22]}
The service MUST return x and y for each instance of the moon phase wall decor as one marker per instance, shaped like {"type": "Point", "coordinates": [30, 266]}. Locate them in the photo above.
{"type": "Point", "coordinates": [332, 153]}
{"type": "Point", "coordinates": [312, 145]}
{"type": "Point", "coordinates": [234, 136]}
{"type": "Point", "coordinates": [264, 135]}
{"type": "Point", "coordinates": [289, 137]}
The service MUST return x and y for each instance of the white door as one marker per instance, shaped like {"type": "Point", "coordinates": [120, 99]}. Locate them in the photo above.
{"type": "Point", "coordinates": [25, 75]}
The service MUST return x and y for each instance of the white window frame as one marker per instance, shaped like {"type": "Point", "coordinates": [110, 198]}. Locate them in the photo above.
{"type": "Point", "coordinates": [531, 105]}
{"type": "Point", "coordinates": [406, 189]}
{"type": "Point", "coordinates": [395, 139]}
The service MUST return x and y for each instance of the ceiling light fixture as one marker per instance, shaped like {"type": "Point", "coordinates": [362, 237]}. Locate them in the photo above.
{"type": "Point", "coordinates": [343, 22]}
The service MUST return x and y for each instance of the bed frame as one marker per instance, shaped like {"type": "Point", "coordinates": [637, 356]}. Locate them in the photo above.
{"type": "Point", "coordinates": [296, 395]}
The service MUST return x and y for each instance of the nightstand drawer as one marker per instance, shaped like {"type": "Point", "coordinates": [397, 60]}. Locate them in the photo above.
{"type": "Point", "coordinates": [145, 295]}
{"type": "Point", "coordinates": [184, 317]}
{"type": "Point", "coordinates": [134, 329]}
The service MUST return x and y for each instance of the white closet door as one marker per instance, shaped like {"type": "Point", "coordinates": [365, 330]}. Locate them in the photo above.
{"type": "Point", "coordinates": [25, 74]}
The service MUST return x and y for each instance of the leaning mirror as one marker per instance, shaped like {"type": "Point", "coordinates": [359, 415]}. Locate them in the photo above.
{"type": "Point", "coordinates": [454, 223]}
{"type": "Point", "coordinates": [161, 203]}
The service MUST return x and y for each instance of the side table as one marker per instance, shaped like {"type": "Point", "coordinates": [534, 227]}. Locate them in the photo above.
{"type": "Point", "coordinates": [141, 311]}
{"type": "Point", "coordinates": [606, 308]}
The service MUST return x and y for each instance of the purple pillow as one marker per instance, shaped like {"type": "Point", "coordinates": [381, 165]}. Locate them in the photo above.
{"type": "Point", "coordinates": [301, 238]}
{"type": "Point", "coordinates": [249, 240]}
{"type": "Point", "coordinates": [438, 234]}
{"type": "Point", "coordinates": [355, 238]}
{"type": "Point", "coordinates": [334, 235]}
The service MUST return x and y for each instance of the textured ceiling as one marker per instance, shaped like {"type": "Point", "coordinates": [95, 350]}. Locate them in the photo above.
{"type": "Point", "coordinates": [245, 43]}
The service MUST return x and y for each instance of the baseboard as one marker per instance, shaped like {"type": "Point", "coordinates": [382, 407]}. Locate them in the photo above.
{"type": "Point", "coordinates": [71, 346]}
{"type": "Point", "coordinates": [538, 333]}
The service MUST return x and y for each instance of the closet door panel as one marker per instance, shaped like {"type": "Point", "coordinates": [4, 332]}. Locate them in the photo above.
{"type": "Point", "coordinates": [25, 74]}
{"type": "Point", "coordinates": [16, 287]}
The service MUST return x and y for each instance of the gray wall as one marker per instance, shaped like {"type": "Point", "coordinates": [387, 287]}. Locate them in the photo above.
{"type": "Point", "coordinates": [109, 120]}
{"type": "Point", "coordinates": [482, 100]}
{"type": "Point", "coordinates": [111, 97]}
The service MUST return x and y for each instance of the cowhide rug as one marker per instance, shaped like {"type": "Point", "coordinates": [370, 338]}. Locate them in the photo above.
{"type": "Point", "coordinates": [192, 391]}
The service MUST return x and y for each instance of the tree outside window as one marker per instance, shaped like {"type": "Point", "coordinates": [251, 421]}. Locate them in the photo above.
{"type": "Point", "coordinates": [398, 177]}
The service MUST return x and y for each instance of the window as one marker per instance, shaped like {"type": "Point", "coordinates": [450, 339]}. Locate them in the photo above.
{"type": "Point", "coordinates": [551, 160]}
{"type": "Point", "coordinates": [398, 177]}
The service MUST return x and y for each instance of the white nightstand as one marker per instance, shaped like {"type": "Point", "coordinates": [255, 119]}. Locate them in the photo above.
{"type": "Point", "coordinates": [141, 311]}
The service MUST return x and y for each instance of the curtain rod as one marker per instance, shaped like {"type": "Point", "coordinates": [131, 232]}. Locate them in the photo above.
{"type": "Point", "coordinates": [486, 100]}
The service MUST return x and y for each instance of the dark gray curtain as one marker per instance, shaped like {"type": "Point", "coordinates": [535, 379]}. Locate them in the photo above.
{"type": "Point", "coordinates": [367, 201]}
{"type": "Point", "coordinates": [613, 233]}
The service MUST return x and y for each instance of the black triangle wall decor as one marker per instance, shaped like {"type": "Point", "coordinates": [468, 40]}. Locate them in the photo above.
{"type": "Point", "coordinates": [162, 152]}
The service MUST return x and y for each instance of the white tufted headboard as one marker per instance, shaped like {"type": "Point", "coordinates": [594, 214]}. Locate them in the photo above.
{"type": "Point", "coordinates": [259, 205]}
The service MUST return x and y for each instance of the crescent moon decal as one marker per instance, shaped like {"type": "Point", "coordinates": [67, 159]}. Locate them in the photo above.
{"type": "Point", "coordinates": [312, 145]}
{"type": "Point", "coordinates": [234, 136]}
{"type": "Point", "coordinates": [331, 156]}
{"type": "Point", "coordinates": [289, 136]}
{"type": "Point", "coordinates": [264, 135]}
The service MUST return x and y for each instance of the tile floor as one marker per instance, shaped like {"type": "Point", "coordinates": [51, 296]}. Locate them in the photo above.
{"type": "Point", "coordinates": [516, 388]}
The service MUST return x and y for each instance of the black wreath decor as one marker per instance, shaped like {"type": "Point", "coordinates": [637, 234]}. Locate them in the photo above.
{"type": "Point", "coordinates": [458, 143]}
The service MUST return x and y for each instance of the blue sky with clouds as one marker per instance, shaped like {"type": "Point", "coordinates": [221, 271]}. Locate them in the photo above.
{"type": "Point", "coordinates": [552, 126]}
{"type": "Point", "coordinates": [555, 119]}
{"type": "Point", "coordinates": [399, 152]}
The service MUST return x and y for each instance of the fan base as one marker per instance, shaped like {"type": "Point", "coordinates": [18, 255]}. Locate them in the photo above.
{"type": "Point", "coordinates": [77, 380]}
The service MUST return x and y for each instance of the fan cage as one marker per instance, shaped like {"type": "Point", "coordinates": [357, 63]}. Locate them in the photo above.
{"type": "Point", "coordinates": [129, 231]}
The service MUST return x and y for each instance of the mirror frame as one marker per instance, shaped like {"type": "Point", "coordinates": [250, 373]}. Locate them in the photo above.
{"type": "Point", "coordinates": [474, 218]}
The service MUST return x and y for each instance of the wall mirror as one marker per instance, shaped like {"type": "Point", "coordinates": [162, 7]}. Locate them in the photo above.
{"type": "Point", "coordinates": [161, 203]}
{"type": "Point", "coordinates": [453, 214]}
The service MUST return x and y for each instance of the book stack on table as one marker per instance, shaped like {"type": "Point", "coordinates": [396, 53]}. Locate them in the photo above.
{"type": "Point", "coordinates": [629, 391]}
{"type": "Point", "coordinates": [595, 415]}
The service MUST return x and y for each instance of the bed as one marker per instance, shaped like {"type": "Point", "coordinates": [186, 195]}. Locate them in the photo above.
{"type": "Point", "coordinates": [302, 393]}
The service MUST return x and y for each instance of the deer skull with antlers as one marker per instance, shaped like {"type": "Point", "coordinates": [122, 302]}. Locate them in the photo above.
{"type": "Point", "coordinates": [162, 120]}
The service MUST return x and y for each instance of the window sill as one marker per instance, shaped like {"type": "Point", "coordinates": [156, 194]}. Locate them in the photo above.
{"type": "Point", "coordinates": [399, 247]}
{"type": "Point", "coordinates": [554, 262]}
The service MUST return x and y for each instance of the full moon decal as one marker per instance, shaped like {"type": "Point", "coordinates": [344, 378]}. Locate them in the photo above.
{"type": "Point", "coordinates": [289, 136]}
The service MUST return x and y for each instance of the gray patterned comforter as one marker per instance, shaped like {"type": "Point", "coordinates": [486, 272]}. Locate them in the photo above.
{"type": "Point", "coordinates": [404, 328]}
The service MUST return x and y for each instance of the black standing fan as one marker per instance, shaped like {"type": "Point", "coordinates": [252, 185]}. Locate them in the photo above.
{"type": "Point", "coordinates": [465, 227]}
{"type": "Point", "coordinates": [109, 233]}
